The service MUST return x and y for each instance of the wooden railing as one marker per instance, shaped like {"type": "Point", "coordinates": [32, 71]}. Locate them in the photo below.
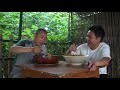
{"type": "Point", "coordinates": [6, 63]}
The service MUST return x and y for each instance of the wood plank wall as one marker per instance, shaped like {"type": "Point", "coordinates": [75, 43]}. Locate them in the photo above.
{"type": "Point", "coordinates": [111, 23]}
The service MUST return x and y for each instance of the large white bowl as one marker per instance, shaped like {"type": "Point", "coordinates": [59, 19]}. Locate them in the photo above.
{"type": "Point", "coordinates": [76, 60]}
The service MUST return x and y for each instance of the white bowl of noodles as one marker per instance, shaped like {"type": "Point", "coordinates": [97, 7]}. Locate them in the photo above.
{"type": "Point", "coordinates": [76, 59]}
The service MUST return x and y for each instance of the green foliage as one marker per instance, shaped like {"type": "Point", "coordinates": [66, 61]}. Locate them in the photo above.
{"type": "Point", "coordinates": [79, 28]}
{"type": "Point", "coordinates": [9, 24]}
{"type": "Point", "coordinates": [56, 24]}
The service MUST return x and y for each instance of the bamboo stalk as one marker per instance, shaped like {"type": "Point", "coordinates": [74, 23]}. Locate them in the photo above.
{"type": "Point", "coordinates": [0, 45]}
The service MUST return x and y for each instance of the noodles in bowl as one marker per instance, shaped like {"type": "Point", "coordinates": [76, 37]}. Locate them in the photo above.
{"type": "Point", "coordinates": [76, 59]}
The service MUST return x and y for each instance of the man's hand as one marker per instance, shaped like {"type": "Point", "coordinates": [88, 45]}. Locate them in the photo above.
{"type": "Point", "coordinates": [72, 48]}
{"type": "Point", "coordinates": [92, 66]}
{"type": "Point", "coordinates": [37, 49]}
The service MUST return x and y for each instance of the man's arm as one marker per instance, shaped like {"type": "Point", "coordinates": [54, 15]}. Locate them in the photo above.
{"type": "Point", "coordinates": [103, 62]}
{"type": "Point", "coordinates": [99, 63]}
{"type": "Point", "coordinates": [21, 49]}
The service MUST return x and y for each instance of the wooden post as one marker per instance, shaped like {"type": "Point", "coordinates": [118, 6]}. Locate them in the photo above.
{"type": "Point", "coordinates": [1, 56]}
{"type": "Point", "coordinates": [10, 60]}
{"type": "Point", "coordinates": [10, 44]}
{"type": "Point", "coordinates": [0, 45]}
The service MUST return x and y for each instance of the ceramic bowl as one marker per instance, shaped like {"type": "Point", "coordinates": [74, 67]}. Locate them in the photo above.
{"type": "Point", "coordinates": [76, 60]}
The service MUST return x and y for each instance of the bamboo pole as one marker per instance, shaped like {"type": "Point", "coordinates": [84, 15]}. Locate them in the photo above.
{"type": "Point", "coordinates": [10, 44]}
{"type": "Point", "coordinates": [10, 60]}
{"type": "Point", "coordinates": [1, 56]}
{"type": "Point", "coordinates": [0, 45]}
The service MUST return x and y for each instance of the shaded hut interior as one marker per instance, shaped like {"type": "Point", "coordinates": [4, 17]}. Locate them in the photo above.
{"type": "Point", "coordinates": [77, 33]}
{"type": "Point", "coordinates": [111, 24]}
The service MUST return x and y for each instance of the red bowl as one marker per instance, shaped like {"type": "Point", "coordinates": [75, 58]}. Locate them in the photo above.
{"type": "Point", "coordinates": [46, 60]}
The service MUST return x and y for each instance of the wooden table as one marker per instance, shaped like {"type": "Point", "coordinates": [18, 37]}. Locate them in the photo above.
{"type": "Point", "coordinates": [60, 70]}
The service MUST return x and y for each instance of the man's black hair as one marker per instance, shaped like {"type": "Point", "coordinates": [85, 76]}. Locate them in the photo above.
{"type": "Point", "coordinates": [99, 31]}
{"type": "Point", "coordinates": [39, 30]}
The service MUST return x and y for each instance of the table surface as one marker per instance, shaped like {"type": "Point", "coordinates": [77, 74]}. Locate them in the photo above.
{"type": "Point", "coordinates": [60, 70]}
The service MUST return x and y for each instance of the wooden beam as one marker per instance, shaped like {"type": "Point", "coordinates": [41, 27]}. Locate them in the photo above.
{"type": "Point", "coordinates": [20, 26]}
